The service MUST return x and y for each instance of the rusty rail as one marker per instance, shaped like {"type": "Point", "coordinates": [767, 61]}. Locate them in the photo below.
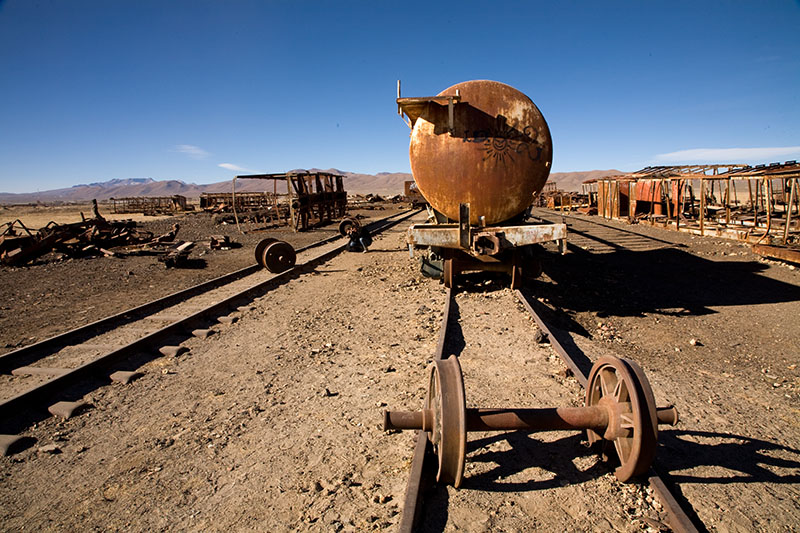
{"type": "Point", "coordinates": [423, 462]}
{"type": "Point", "coordinates": [421, 470]}
{"type": "Point", "coordinates": [680, 521]}
{"type": "Point", "coordinates": [17, 412]}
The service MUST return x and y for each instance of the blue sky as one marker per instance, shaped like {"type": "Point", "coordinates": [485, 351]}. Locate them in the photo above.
{"type": "Point", "coordinates": [202, 90]}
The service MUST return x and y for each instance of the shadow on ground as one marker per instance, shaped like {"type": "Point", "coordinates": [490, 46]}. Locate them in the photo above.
{"type": "Point", "coordinates": [666, 281]}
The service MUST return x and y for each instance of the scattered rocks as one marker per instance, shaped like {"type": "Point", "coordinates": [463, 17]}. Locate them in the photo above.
{"type": "Point", "coordinates": [52, 449]}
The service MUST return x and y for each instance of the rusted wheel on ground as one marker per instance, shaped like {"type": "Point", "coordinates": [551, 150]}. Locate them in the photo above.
{"type": "Point", "coordinates": [346, 224]}
{"type": "Point", "coordinates": [278, 256]}
{"type": "Point", "coordinates": [447, 273]}
{"type": "Point", "coordinates": [621, 387]}
{"type": "Point", "coordinates": [260, 249]}
{"type": "Point", "coordinates": [449, 429]}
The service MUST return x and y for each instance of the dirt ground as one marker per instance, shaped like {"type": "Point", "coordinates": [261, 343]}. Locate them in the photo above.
{"type": "Point", "coordinates": [53, 295]}
{"type": "Point", "coordinates": [273, 423]}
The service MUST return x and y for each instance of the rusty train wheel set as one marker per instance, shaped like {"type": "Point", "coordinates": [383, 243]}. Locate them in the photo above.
{"type": "Point", "coordinates": [274, 255]}
{"type": "Point", "coordinates": [619, 416]}
{"type": "Point", "coordinates": [619, 411]}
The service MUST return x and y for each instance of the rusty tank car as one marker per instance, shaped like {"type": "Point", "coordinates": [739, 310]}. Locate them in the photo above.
{"type": "Point", "coordinates": [480, 152]}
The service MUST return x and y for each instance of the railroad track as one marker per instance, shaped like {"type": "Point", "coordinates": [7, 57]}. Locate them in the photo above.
{"type": "Point", "coordinates": [598, 237]}
{"type": "Point", "coordinates": [66, 366]}
{"type": "Point", "coordinates": [440, 421]}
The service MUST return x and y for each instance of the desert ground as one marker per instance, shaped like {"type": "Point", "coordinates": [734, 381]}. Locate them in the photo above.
{"type": "Point", "coordinates": [274, 422]}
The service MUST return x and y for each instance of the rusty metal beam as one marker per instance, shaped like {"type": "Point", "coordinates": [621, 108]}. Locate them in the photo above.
{"type": "Point", "coordinates": [778, 252]}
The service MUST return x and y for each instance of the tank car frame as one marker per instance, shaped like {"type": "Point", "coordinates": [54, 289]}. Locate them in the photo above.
{"type": "Point", "coordinates": [461, 247]}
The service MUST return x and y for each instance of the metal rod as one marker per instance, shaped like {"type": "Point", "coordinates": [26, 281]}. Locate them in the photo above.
{"type": "Point", "coordinates": [789, 210]}
{"type": "Point", "coordinates": [595, 417]}
{"type": "Point", "coordinates": [545, 419]}
{"type": "Point", "coordinates": [702, 206]}
{"type": "Point", "coordinates": [728, 202]}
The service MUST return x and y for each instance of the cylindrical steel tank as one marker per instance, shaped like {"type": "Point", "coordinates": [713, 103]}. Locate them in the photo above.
{"type": "Point", "coordinates": [497, 156]}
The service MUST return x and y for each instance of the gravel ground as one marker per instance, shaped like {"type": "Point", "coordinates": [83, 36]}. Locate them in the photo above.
{"type": "Point", "coordinates": [50, 295]}
{"type": "Point", "coordinates": [274, 422]}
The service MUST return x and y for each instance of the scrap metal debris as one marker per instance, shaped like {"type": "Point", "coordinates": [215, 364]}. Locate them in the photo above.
{"type": "Point", "coordinates": [20, 245]}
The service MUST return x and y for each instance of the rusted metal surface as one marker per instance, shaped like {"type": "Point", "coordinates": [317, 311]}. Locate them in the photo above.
{"type": "Point", "coordinates": [151, 205]}
{"type": "Point", "coordinates": [223, 202]}
{"type": "Point", "coordinates": [412, 194]}
{"type": "Point", "coordinates": [93, 236]}
{"type": "Point", "coordinates": [480, 151]}
{"type": "Point", "coordinates": [478, 142]}
{"type": "Point", "coordinates": [633, 427]}
{"type": "Point", "coordinates": [313, 198]}
{"type": "Point", "coordinates": [447, 235]}
{"type": "Point", "coordinates": [418, 481]}
{"type": "Point", "coordinates": [424, 457]}
{"type": "Point", "coordinates": [422, 462]}
{"type": "Point", "coordinates": [574, 358]}
{"type": "Point", "coordinates": [274, 255]}
{"type": "Point", "coordinates": [620, 411]}
{"type": "Point", "coordinates": [778, 252]}
{"type": "Point", "coordinates": [447, 407]}
{"type": "Point", "coordinates": [752, 204]}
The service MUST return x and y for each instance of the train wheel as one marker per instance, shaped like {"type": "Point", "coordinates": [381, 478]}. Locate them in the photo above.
{"type": "Point", "coordinates": [448, 274]}
{"type": "Point", "coordinates": [260, 250]}
{"type": "Point", "coordinates": [448, 434]}
{"type": "Point", "coordinates": [620, 386]}
{"type": "Point", "coordinates": [516, 271]}
{"type": "Point", "coordinates": [346, 224]}
{"type": "Point", "coordinates": [278, 257]}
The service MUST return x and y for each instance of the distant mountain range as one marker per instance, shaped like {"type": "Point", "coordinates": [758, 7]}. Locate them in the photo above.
{"type": "Point", "coordinates": [383, 183]}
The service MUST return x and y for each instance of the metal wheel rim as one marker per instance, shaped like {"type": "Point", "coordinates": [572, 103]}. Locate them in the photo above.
{"type": "Point", "coordinates": [449, 434]}
{"type": "Point", "coordinates": [615, 378]}
{"type": "Point", "coordinates": [260, 250]}
{"type": "Point", "coordinates": [344, 224]}
{"type": "Point", "coordinates": [278, 257]}
{"type": "Point", "coordinates": [448, 273]}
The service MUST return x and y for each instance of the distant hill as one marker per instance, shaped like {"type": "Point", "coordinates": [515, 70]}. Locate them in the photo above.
{"type": "Point", "coordinates": [571, 181]}
{"type": "Point", "coordinates": [383, 183]}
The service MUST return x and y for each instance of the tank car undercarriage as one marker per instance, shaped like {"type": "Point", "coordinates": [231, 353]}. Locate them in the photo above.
{"type": "Point", "coordinates": [456, 247]}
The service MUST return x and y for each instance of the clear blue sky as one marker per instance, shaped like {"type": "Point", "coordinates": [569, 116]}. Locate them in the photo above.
{"type": "Point", "coordinates": [96, 90]}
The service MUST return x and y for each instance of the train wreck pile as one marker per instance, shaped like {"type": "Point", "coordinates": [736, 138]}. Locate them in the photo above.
{"type": "Point", "coordinates": [19, 245]}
